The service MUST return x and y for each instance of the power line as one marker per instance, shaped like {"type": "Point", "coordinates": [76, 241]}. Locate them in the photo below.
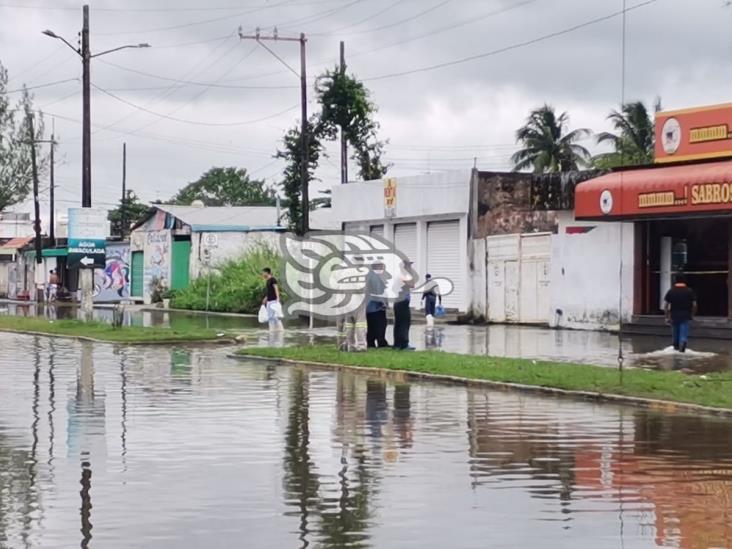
{"type": "Point", "coordinates": [46, 85]}
{"type": "Point", "coordinates": [194, 122]}
{"type": "Point", "coordinates": [513, 46]}
{"type": "Point", "coordinates": [151, 10]}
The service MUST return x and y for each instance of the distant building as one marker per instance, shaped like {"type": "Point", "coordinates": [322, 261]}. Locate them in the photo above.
{"type": "Point", "coordinates": [15, 225]}
{"type": "Point", "coordinates": [174, 244]}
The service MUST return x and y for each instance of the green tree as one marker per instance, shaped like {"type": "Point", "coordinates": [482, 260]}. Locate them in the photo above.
{"type": "Point", "coordinates": [345, 103]}
{"type": "Point", "coordinates": [291, 183]}
{"type": "Point", "coordinates": [548, 145]}
{"type": "Point", "coordinates": [16, 177]}
{"type": "Point", "coordinates": [635, 138]}
{"type": "Point", "coordinates": [226, 187]}
{"type": "Point", "coordinates": [129, 212]}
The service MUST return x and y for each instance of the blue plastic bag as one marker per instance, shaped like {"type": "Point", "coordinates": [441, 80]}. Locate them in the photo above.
{"type": "Point", "coordinates": [439, 311]}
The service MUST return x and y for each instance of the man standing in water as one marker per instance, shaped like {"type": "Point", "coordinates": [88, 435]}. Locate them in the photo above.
{"type": "Point", "coordinates": [680, 310]}
{"type": "Point", "coordinates": [272, 300]}
{"type": "Point", "coordinates": [403, 285]}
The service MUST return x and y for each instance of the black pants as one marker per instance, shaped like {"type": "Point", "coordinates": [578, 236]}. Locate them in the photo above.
{"type": "Point", "coordinates": [376, 329]}
{"type": "Point", "coordinates": [402, 321]}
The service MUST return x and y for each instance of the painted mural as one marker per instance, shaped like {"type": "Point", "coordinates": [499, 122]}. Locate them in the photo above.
{"type": "Point", "coordinates": [113, 282]}
{"type": "Point", "coordinates": [157, 259]}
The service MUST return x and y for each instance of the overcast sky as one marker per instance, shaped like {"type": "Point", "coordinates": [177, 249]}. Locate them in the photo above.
{"type": "Point", "coordinates": [232, 101]}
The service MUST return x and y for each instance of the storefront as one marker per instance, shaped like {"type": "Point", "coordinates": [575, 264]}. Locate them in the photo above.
{"type": "Point", "coordinates": [681, 210]}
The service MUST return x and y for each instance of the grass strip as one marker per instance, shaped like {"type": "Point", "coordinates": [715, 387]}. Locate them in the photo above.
{"type": "Point", "coordinates": [104, 332]}
{"type": "Point", "coordinates": [714, 390]}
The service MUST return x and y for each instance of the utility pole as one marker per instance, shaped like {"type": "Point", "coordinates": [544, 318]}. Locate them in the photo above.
{"type": "Point", "coordinates": [123, 210]}
{"type": "Point", "coordinates": [304, 130]}
{"type": "Point", "coordinates": [36, 203]}
{"type": "Point", "coordinates": [52, 191]}
{"type": "Point", "coordinates": [86, 276]}
{"type": "Point", "coordinates": [344, 143]}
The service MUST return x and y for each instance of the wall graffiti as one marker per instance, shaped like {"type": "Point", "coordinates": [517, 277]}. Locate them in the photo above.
{"type": "Point", "coordinates": [157, 259]}
{"type": "Point", "coordinates": [113, 282]}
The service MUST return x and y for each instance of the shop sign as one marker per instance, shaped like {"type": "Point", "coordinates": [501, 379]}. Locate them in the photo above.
{"type": "Point", "coordinates": [390, 196]}
{"type": "Point", "coordinates": [87, 238]}
{"type": "Point", "coordinates": [694, 134]}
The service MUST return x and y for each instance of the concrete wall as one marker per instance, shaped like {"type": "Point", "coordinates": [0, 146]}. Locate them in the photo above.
{"type": "Point", "coordinates": [229, 245]}
{"type": "Point", "coordinates": [585, 284]}
{"type": "Point", "coordinates": [156, 247]}
{"type": "Point", "coordinates": [112, 283]}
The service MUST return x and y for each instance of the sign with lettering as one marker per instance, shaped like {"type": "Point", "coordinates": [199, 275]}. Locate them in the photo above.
{"type": "Point", "coordinates": [87, 238]}
{"type": "Point", "coordinates": [390, 196]}
{"type": "Point", "coordinates": [694, 134]}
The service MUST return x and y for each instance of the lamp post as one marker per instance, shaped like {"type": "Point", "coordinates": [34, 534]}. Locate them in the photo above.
{"type": "Point", "coordinates": [86, 275]}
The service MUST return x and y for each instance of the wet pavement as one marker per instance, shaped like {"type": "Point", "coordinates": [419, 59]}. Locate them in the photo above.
{"type": "Point", "coordinates": [120, 447]}
{"type": "Point", "coordinates": [535, 343]}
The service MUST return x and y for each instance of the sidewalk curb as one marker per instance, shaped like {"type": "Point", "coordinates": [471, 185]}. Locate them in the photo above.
{"type": "Point", "coordinates": [221, 341]}
{"type": "Point", "coordinates": [639, 402]}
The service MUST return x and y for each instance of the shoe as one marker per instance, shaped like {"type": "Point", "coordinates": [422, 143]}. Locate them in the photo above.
{"type": "Point", "coordinates": [408, 348]}
{"type": "Point", "coordinates": [683, 348]}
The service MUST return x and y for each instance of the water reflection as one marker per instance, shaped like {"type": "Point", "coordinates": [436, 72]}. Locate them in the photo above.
{"type": "Point", "coordinates": [183, 448]}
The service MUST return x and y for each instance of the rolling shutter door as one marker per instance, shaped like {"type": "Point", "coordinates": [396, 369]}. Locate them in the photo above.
{"type": "Point", "coordinates": [377, 230]}
{"type": "Point", "coordinates": [443, 258]}
{"type": "Point", "coordinates": [405, 240]}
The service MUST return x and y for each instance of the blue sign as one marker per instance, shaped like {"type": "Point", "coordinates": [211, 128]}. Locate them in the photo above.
{"type": "Point", "coordinates": [87, 238]}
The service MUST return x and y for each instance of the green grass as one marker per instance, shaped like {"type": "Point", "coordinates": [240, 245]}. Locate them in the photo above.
{"type": "Point", "coordinates": [104, 332]}
{"type": "Point", "coordinates": [715, 391]}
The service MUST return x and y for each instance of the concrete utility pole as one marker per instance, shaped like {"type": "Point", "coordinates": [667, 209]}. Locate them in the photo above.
{"type": "Point", "coordinates": [36, 203]}
{"type": "Point", "coordinates": [304, 131]}
{"type": "Point", "coordinates": [86, 275]}
{"type": "Point", "coordinates": [123, 216]}
{"type": "Point", "coordinates": [52, 191]}
{"type": "Point", "coordinates": [344, 142]}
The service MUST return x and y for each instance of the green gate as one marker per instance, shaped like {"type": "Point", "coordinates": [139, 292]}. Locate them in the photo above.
{"type": "Point", "coordinates": [181, 263]}
{"type": "Point", "coordinates": [138, 273]}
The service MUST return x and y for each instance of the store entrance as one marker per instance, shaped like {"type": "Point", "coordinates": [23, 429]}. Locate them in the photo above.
{"type": "Point", "coordinates": [697, 247]}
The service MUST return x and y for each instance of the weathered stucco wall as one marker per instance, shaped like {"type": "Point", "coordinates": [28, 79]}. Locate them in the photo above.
{"type": "Point", "coordinates": [586, 282]}
{"type": "Point", "coordinates": [503, 205]}
{"type": "Point", "coordinates": [228, 246]}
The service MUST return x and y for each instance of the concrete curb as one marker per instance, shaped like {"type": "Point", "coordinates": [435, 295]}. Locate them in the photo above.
{"type": "Point", "coordinates": [640, 402]}
{"type": "Point", "coordinates": [222, 341]}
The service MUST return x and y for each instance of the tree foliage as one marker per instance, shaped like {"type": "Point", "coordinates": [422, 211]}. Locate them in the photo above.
{"type": "Point", "coordinates": [226, 187]}
{"type": "Point", "coordinates": [291, 184]}
{"type": "Point", "coordinates": [16, 176]}
{"type": "Point", "coordinates": [548, 145]}
{"type": "Point", "coordinates": [129, 212]}
{"type": "Point", "coordinates": [634, 141]}
{"type": "Point", "coordinates": [345, 103]}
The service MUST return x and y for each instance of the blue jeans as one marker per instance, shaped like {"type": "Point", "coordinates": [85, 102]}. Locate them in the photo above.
{"type": "Point", "coordinates": [680, 332]}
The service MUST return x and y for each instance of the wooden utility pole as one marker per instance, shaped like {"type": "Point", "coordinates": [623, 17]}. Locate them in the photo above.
{"type": "Point", "coordinates": [36, 203]}
{"type": "Point", "coordinates": [344, 143]}
{"type": "Point", "coordinates": [304, 129]}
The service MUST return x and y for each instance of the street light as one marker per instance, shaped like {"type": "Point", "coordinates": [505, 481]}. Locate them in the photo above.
{"type": "Point", "coordinates": [86, 278]}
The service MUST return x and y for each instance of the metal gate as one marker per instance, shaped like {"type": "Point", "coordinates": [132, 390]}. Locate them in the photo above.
{"type": "Point", "coordinates": [181, 264]}
{"type": "Point", "coordinates": [518, 277]}
{"type": "Point", "coordinates": [443, 258]}
{"type": "Point", "coordinates": [138, 274]}
{"type": "Point", "coordinates": [405, 240]}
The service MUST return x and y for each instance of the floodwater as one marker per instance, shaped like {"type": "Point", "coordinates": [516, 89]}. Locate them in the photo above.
{"type": "Point", "coordinates": [530, 342]}
{"type": "Point", "coordinates": [132, 447]}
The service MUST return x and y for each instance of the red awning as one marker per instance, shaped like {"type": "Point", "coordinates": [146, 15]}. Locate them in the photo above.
{"type": "Point", "coordinates": [14, 244]}
{"type": "Point", "coordinates": [657, 192]}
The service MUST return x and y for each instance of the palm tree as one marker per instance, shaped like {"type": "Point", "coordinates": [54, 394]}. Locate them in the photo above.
{"type": "Point", "coordinates": [634, 141]}
{"type": "Point", "coordinates": [548, 145]}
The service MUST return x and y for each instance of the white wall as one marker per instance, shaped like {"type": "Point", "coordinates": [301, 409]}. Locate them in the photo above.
{"type": "Point", "coordinates": [586, 274]}
{"type": "Point", "coordinates": [14, 225]}
{"type": "Point", "coordinates": [230, 245]}
{"type": "Point", "coordinates": [478, 305]}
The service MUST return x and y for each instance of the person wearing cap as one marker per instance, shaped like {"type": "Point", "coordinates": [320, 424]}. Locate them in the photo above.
{"type": "Point", "coordinates": [430, 296]}
{"type": "Point", "coordinates": [403, 284]}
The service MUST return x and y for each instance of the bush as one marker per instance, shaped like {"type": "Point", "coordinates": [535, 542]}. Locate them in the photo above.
{"type": "Point", "coordinates": [236, 286]}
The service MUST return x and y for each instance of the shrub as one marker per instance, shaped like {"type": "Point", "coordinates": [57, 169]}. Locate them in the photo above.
{"type": "Point", "coordinates": [236, 286]}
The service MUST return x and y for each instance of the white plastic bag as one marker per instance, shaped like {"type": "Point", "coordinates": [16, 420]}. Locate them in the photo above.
{"type": "Point", "coordinates": [263, 317]}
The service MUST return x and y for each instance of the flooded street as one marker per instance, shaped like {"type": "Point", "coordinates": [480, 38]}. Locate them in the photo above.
{"type": "Point", "coordinates": [111, 447]}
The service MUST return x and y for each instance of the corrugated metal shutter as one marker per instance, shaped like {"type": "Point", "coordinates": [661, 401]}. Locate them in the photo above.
{"type": "Point", "coordinates": [443, 258]}
{"type": "Point", "coordinates": [377, 230]}
{"type": "Point", "coordinates": [405, 240]}
{"type": "Point", "coordinates": [137, 274]}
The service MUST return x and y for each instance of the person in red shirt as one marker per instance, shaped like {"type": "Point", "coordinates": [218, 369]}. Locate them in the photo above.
{"type": "Point", "coordinates": [681, 308]}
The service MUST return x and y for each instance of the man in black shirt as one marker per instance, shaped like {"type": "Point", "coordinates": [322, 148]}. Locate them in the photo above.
{"type": "Point", "coordinates": [680, 310]}
{"type": "Point", "coordinates": [272, 300]}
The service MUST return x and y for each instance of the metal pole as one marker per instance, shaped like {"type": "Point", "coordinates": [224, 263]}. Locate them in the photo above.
{"type": "Point", "coordinates": [123, 216]}
{"type": "Point", "coordinates": [208, 280]}
{"type": "Point", "coordinates": [344, 143]}
{"type": "Point", "coordinates": [52, 192]}
{"type": "Point", "coordinates": [305, 160]}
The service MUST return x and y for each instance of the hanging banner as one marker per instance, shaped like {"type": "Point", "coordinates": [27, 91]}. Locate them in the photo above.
{"type": "Point", "coordinates": [390, 196]}
{"type": "Point", "coordinates": [694, 134]}
{"type": "Point", "coordinates": [87, 238]}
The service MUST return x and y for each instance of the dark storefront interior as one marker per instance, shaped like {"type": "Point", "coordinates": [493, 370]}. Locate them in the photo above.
{"type": "Point", "coordinates": [697, 247]}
